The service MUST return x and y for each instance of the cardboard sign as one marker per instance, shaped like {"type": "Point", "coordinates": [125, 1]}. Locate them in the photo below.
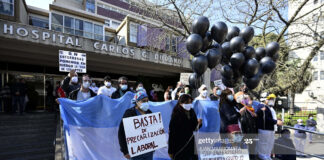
{"type": "Point", "coordinates": [72, 60]}
{"type": "Point", "coordinates": [144, 133]}
{"type": "Point", "coordinates": [184, 78]}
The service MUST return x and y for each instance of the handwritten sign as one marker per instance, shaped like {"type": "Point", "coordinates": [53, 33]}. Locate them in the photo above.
{"type": "Point", "coordinates": [184, 78]}
{"type": "Point", "coordinates": [72, 60]}
{"type": "Point", "coordinates": [144, 133]}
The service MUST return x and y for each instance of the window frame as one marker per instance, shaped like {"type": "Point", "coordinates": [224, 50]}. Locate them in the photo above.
{"type": "Point", "coordinates": [321, 77]}
{"type": "Point", "coordinates": [133, 25]}
{"type": "Point", "coordinates": [315, 75]}
{"type": "Point", "coordinates": [13, 8]}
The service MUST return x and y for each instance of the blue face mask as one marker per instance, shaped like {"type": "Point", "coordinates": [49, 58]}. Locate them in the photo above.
{"type": "Point", "coordinates": [230, 97]}
{"type": "Point", "coordinates": [124, 87]}
{"type": "Point", "coordinates": [237, 138]}
{"type": "Point", "coordinates": [144, 106]}
{"type": "Point", "coordinates": [218, 92]}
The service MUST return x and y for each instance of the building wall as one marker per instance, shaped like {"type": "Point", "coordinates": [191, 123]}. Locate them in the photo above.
{"type": "Point", "coordinates": [316, 86]}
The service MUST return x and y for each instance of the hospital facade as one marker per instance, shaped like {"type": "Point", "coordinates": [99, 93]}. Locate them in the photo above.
{"type": "Point", "coordinates": [119, 37]}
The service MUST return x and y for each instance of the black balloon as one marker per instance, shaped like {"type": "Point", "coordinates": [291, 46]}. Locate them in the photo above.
{"type": "Point", "coordinates": [232, 32]}
{"type": "Point", "coordinates": [200, 25]}
{"type": "Point", "coordinates": [199, 64]}
{"type": "Point", "coordinates": [194, 81]}
{"type": "Point", "coordinates": [194, 43]}
{"type": "Point", "coordinates": [219, 32]}
{"type": "Point", "coordinates": [249, 52]}
{"type": "Point", "coordinates": [247, 34]}
{"type": "Point", "coordinates": [251, 68]}
{"type": "Point", "coordinates": [260, 53]}
{"type": "Point", "coordinates": [237, 60]}
{"type": "Point", "coordinates": [227, 71]}
{"type": "Point", "coordinates": [237, 44]}
{"type": "Point", "coordinates": [228, 82]}
{"type": "Point", "coordinates": [214, 56]}
{"type": "Point", "coordinates": [267, 65]}
{"type": "Point", "coordinates": [272, 48]}
{"type": "Point", "coordinates": [226, 50]}
{"type": "Point", "coordinates": [207, 41]}
{"type": "Point", "coordinates": [253, 82]}
{"type": "Point", "coordinates": [275, 57]}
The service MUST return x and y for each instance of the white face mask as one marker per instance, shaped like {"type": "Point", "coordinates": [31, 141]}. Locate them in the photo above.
{"type": "Point", "coordinates": [144, 106]}
{"type": "Point", "coordinates": [204, 93]}
{"type": "Point", "coordinates": [86, 85]}
{"type": "Point", "coordinates": [187, 106]}
{"type": "Point", "coordinates": [310, 117]}
{"type": "Point", "coordinates": [108, 84]}
{"type": "Point", "coordinates": [74, 79]}
{"type": "Point", "coordinates": [271, 102]}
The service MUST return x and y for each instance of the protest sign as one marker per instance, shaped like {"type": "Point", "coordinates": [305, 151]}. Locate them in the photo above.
{"type": "Point", "coordinates": [184, 78]}
{"type": "Point", "coordinates": [144, 133]}
{"type": "Point", "coordinates": [72, 60]}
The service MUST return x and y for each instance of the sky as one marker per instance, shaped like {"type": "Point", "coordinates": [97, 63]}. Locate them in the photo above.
{"type": "Point", "coordinates": [44, 4]}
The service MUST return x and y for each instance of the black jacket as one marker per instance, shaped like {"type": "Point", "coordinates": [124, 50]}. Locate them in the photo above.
{"type": "Point", "coordinates": [67, 87]}
{"type": "Point", "coordinates": [74, 94]}
{"type": "Point", "coordinates": [181, 128]}
{"type": "Point", "coordinates": [228, 116]}
{"type": "Point", "coordinates": [284, 149]}
{"type": "Point", "coordinates": [131, 112]}
{"type": "Point", "coordinates": [117, 94]}
{"type": "Point", "coordinates": [213, 97]}
{"type": "Point", "coordinates": [265, 120]}
{"type": "Point", "coordinates": [248, 122]}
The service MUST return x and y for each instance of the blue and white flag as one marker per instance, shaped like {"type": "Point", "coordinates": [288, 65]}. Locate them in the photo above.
{"type": "Point", "coordinates": [91, 127]}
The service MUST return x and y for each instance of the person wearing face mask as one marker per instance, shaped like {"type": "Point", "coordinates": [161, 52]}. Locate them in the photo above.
{"type": "Point", "coordinates": [167, 93]}
{"type": "Point", "coordinates": [141, 107]}
{"type": "Point", "coordinates": [182, 125]}
{"type": "Point", "coordinates": [84, 92]}
{"type": "Point", "coordinates": [203, 93]}
{"type": "Point", "coordinates": [94, 87]}
{"type": "Point", "coordinates": [216, 94]}
{"type": "Point", "coordinates": [107, 89]}
{"type": "Point", "coordinates": [174, 92]}
{"type": "Point", "coordinates": [229, 115]}
{"type": "Point", "coordinates": [311, 125]}
{"type": "Point", "coordinates": [179, 93]}
{"type": "Point", "coordinates": [266, 122]}
{"type": "Point", "coordinates": [122, 88]}
{"type": "Point", "coordinates": [70, 83]}
{"type": "Point", "coordinates": [285, 148]}
{"type": "Point", "coordinates": [140, 87]}
{"type": "Point", "coordinates": [300, 137]}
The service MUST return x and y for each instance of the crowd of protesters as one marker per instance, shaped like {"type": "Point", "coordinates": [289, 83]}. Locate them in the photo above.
{"type": "Point", "coordinates": [240, 118]}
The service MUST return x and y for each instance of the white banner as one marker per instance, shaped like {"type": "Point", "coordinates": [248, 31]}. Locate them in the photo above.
{"type": "Point", "coordinates": [72, 60]}
{"type": "Point", "coordinates": [144, 133]}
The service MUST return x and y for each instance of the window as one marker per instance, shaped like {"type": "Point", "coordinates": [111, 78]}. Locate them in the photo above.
{"type": "Point", "coordinates": [315, 17]}
{"type": "Point", "coordinates": [174, 44]}
{"type": "Point", "coordinates": [133, 32]}
{"type": "Point", "coordinates": [7, 7]}
{"type": "Point", "coordinates": [109, 37]}
{"type": "Point", "coordinates": [57, 22]}
{"type": "Point", "coordinates": [167, 43]}
{"type": "Point", "coordinates": [315, 75]}
{"type": "Point", "coordinates": [98, 32]}
{"type": "Point", "coordinates": [321, 55]}
{"type": "Point", "coordinates": [114, 24]}
{"type": "Point", "coordinates": [38, 22]}
{"type": "Point", "coordinates": [90, 6]}
{"type": "Point", "coordinates": [322, 75]}
{"type": "Point", "coordinates": [78, 27]}
{"type": "Point", "coordinates": [315, 1]}
{"type": "Point", "coordinates": [315, 58]}
{"type": "Point", "coordinates": [107, 22]}
{"type": "Point", "coordinates": [88, 29]}
{"type": "Point", "coordinates": [69, 25]}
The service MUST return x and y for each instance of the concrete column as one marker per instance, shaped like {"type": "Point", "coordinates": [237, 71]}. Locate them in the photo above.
{"type": "Point", "coordinates": [320, 119]}
{"type": "Point", "coordinates": [206, 80]}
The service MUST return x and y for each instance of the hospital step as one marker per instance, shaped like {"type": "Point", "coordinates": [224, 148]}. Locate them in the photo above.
{"type": "Point", "coordinates": [27, 137]}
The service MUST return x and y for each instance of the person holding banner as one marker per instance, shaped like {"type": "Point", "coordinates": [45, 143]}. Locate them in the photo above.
{"type": "Point", "coordinates": [141, 107]}
{"type": "Point", "coordinates": [107, 89]}
{"type": "Point", "coordinates": [182, 125]}
{"type": "Point", "coordinates": [70, 83]}
{"type": "Point", "coordinates": [203, 93]}
{"type": "Point", "coordinates": [122, 88]}
{"type": "Point", "coordinates": [84, 92]}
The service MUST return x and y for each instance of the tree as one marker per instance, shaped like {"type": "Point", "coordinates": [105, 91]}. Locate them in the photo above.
{"type": "Point", "coordinates": [268, 17]}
